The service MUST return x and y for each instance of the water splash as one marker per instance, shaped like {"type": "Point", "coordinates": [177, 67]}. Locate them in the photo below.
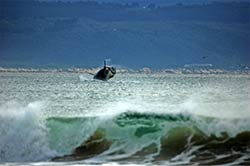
{"type": "Point", "coordinates": [23, 134]}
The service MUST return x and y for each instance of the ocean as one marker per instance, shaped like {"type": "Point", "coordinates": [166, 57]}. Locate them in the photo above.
{"type": "Point", "coordinates": [60, 118]}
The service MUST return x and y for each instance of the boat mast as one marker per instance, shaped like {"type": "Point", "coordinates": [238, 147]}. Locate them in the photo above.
{"type": "Point", "coordinates": [104, 63]}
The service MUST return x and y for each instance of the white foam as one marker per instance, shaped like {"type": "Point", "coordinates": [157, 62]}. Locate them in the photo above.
{"type": "Point", "coordinates": [196, 104]}
{"type": "Point", "coordinates": [23, 135]}
{"type": "Point", "coordinates": [112, 109]}
{"type": "Point", "coordinates": [230, 117]}
{"type": "Point", "coordinates": [85, 77]}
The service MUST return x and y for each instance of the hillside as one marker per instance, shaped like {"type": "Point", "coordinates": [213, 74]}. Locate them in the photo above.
{"type": "Point", "coordinates": [84, 33]}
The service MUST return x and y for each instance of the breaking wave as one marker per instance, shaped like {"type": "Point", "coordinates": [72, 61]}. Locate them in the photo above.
{"type": "Point", "coordinates": [156, 138]}
{"type": "Point", "coordinates": [129, 136]}
{"type": "Point", "coordinates": [23, 133]}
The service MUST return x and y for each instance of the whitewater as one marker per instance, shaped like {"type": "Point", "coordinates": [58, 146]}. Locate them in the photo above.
{"type": "Point", "coordinates": [61, 118]}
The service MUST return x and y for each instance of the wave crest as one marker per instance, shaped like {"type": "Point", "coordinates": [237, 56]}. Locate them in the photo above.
{"type": "Point", "coordinates": [158, 138]}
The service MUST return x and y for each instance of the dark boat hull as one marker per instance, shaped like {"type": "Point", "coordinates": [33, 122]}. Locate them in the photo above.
{"type": "Point", "coordinates": [105, 73]}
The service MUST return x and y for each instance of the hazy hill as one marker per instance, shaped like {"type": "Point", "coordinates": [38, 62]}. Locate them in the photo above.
{"type": "Point", "coordinates": [84, 33]}
{"type": "Point", "coordinates": [157, 2]}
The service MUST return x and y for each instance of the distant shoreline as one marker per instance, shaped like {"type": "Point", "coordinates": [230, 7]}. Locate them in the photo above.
{"type": "Point", "coordinates": [129, 71]}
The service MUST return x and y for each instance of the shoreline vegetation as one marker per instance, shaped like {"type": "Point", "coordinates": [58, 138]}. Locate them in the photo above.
{"type": "Point", "coordinates": [145, 70]}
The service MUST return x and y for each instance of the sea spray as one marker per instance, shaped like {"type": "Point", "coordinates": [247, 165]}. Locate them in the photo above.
{"type": "Point", "coordinates": [23, 134]}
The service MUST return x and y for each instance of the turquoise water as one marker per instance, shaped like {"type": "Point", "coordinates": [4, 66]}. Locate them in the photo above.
{"type": "Point", "coordinates": [68, 118]}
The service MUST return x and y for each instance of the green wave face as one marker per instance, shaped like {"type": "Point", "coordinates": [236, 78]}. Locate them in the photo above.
{"type": "Point", "coordinates": [66, 133]}
{"type": "Point", "coordinates": [144, 137]}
